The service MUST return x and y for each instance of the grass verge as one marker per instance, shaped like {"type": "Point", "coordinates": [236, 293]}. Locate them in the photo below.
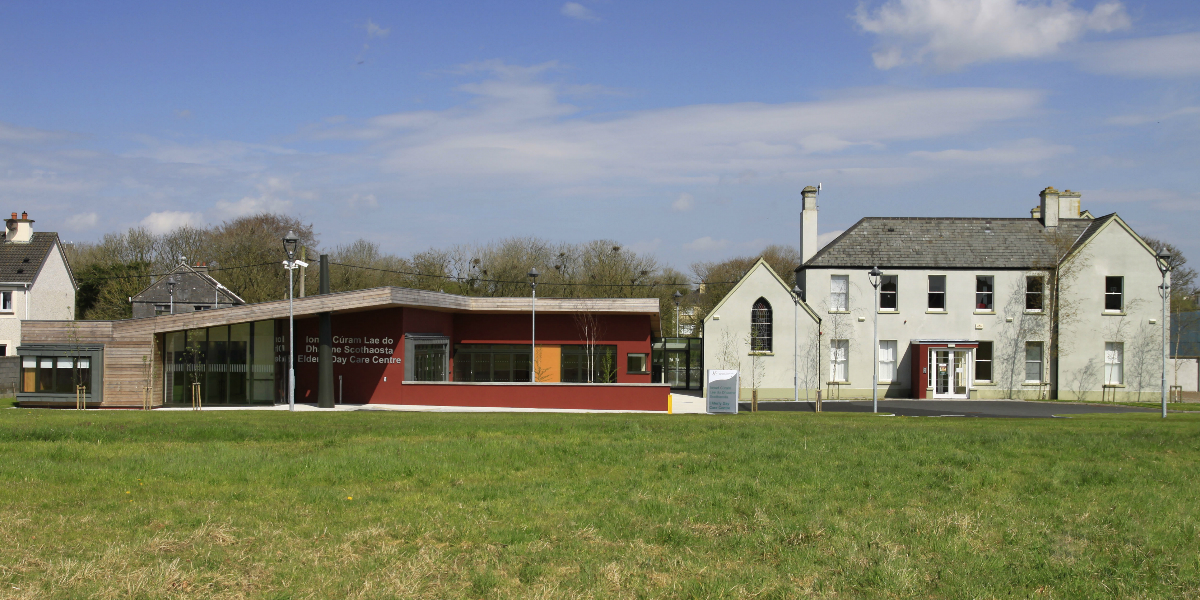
{"type": "Point", "coordinates": [274, 505]}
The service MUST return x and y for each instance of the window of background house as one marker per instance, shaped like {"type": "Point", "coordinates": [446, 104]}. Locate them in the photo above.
{"type": "Point", "coordinates": [1113, 289]}
{"type": "Point", "coordinates": [887, 360]}
{"type": "Point", "coordinates": [983, 362]}
{"type": "Point", "coordinates": [1033, 362]}
{"type": "Point", "coordinates": [888, 292]}
{"type": "Point", "coordinates": [839, 292]}
{"type": "Point", "coordinates": [984, 285]}
{"type": "Point", "coordinates": [6, 301]}
{"type": "Point", "coordinates": [937, 292]}
{"type": "Point", "coordinates": [839, 352]}
{"type": "Point", "coordinates": [636, 363]}
{"type": "Point", "coordinates": [1034, 287]}
{"type": "Point", "coordinates": [1114, 356]}
{"type": "Point", "coordinates": [162, 309]}
{"type": "Point", "coordinates": [760, 326]}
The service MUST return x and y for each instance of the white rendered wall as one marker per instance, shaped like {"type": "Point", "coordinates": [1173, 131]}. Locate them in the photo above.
{"type": "Point", "coordinates": [727, 346]}
{"type": "Point", "coordinates": [51, 297]}
{"type": "Point", "coordinates": [1113, 252]}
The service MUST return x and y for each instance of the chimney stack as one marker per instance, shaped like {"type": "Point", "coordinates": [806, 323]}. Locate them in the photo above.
{"type": "Point", "coordinates": [1069, 205]}
{"type": "Point", "coordinates": [1049, 207]}
{"type": "Point", "coordinates": [19, 230]}
{"type": "Point", "coordinates": [808, 224]}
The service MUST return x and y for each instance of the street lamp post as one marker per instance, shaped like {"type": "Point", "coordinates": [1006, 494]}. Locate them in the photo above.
{"type": "Point", "coordinates": [533, 275]}
{"type": "Point", "coordinates": [874, 274]}
{"type": "Point", "coordinates": [171, 290]}
{"type": "Point", "coordinates": [1164, 290]}
{"type": "Point", "coordinates": [677, 297]}
{"type": "Point", "coordinates": [796, 341]}
{"type": "Point", "coordinates": [289, 246]}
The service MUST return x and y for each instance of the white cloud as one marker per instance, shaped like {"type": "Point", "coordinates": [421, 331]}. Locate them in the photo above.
{"type": "Point", "coordinates": [1162, 199]}
{"type": "Point", "coordinates": [81, 221]}
{"type": "Point", "coordinates": [183, 114]}
{"type": "Point", "coordinates": [954, 33]}
{"type": "Point", "coordinates": [576, 10]}
{"type": "Point", "coordinates": [517, 130]}
{"type": "Point", "coordinates": [823, 239]}
{"type": "Point", "coordinates": [684, 202]}
{"type": "Point", "coordinates": [1021, 151]}
{"type": "Point", "coordinates": [274, 195]}
{"type": "Point", "coordinates": [225, 153]}
{"type": "Point", "coordinates": [375, 31]}
{"type": "Point", "coordinates": [1186, 111]}
{"type": "Point", "coordinates": [706, 244]}
{"type": "Point", "coordinates": [1168, 56]}
{"type": "Point", "coordinates": [362, 201]}
{"type": "Point", "coordinates": [170, 220]}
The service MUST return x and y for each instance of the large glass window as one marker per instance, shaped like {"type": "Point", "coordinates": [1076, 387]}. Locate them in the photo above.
{"type": "Point", "coordinates": [983, 362]}
{"type": "Point", "coordinates": [887, 360]}
{"type": "Point", "coordinates": [1034, 290]}
{"type": "Point", "coordinates": [937, 292]}
{"type": "Point", "coordinates": [1033, 362]}
{"type": "Point", "coordinates": [635, 363]}
{"type": "Point", "coordinates": [760, 326]}
{"type": "Point", "coordinates": [582, 363]}
{"type": "Point", "coordinates": [839, 354]}
{"type": "Point", "coordinates": [1113, 292]}
{"type": "Point", "coordinates": [839, 292]}
{"type": "Point", "coordinates": [984, 288]}
{"type": "Point", "coordinates": [889, 293]}
{"type": "Point", "coordinates": [1114, 358]}
{"type": "Point", "coordinates": [55, 374]}
{"type": "Point", "coordinates": [231, 364]}
{"type": "Point", "coordinates": [492, 362]}
{"type": "Point", "coordinates": [429, 362]}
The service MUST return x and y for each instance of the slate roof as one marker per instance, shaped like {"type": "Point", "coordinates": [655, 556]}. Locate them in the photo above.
{"type": "Point", "coordinates": [949, 243]}
{"type": "Point", "coordinates": [158, 292]}
{"type": "Point", "coordinates": [21, 261]}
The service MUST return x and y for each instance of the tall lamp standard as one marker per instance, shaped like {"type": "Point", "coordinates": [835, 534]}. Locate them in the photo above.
{"type": "Point", "coordinates": [289, 246]}
{"type": "Point", "coordinates": [171, 290]}
{"type": "Point", "coordinates": [874, 274]}
{"type": "Point", "coordinates": [676, 297]}
{"type": "Point", "coordinates": [533, 275]}
{"type": "Point", "coordinates": [796, 291]}
{"type": "Point", "coordinates": [1164, 290]}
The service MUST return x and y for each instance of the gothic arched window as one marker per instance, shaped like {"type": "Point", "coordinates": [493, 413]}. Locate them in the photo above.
{"type": "Point", "coordinates": [760, 326]}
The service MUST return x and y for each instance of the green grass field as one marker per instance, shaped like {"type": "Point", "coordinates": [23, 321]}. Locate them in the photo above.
{"type": "Point", "coordinates": [115, 504]}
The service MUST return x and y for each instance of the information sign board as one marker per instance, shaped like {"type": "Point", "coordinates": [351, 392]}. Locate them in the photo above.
{"type": "Point", "coordinates": [722, 391]}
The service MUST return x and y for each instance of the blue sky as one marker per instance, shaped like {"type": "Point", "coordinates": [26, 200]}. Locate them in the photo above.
{"type": "Point", "coordinates": [682, 128]}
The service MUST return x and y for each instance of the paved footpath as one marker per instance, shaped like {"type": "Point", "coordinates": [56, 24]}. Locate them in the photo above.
{"type": "Point", "coordinates": [954, 408]}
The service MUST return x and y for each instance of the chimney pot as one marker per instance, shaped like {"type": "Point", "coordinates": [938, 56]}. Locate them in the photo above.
{"type": "Point", "coordinates": [14, 214]}
{"type": "Point", "coordinates": [24, 215]}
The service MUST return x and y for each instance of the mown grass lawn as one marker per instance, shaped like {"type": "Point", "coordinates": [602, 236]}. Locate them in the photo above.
{"type": "Point", "coordinates": [773, 505]}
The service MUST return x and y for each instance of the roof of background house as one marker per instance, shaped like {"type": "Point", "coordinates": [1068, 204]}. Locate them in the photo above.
{"type": "Point", "coordinates": [186, 269]}
{"type": "Point", "coordinates": [21, 261]}
{"type": "Point", "coordinates": [951, 242]}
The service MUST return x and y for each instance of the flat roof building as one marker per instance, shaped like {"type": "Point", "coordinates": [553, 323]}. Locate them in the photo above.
{"type": "Point", "coordinates": [388, 345]}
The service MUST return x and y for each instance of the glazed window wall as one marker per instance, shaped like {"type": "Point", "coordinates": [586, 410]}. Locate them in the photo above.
{"type": "Point", "coordinates": [576, 359]}
{"type": "Point", "coordinates": [491, 362]}
{"type": "Point", "coordinates": [232, 364]}
{"type": "Point", "coordinates": [55, 374]}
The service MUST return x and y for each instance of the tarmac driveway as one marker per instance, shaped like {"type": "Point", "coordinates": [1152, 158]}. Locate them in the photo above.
{"type": "Point", "coordinates": [953, 408]}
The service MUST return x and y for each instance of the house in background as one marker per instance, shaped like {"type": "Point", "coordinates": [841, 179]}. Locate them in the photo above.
{"type": "Point", "coordinates": [1057, 305]}
{"type": "Point", "coordinates": [36, 282]}
{"type": "Point", "coordinates": [185, 289]}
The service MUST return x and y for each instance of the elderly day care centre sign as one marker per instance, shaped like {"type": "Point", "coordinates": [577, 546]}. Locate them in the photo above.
{"type": "Point", "coordinates": [722, 391]}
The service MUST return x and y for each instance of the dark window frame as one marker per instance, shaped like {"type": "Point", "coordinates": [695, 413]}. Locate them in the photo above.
{"type": "Point", "coordinates": [937, 296]}
{"type": "Point", "coordinates": [1114, 301]}
{"type": "Point", "coordinates": [1035, 295]}
{"type": "Point", "coordinates": [984, 361]}
{"type": "Point", "coordinates": [761, 326]}
{"type": "Point", "coordinates": [889, 299]}
{"type": "Point", "coordinates": [985, 290]}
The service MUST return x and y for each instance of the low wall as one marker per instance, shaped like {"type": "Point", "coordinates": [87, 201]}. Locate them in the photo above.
{"type": "Point", "coordinates": [582, 396]}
